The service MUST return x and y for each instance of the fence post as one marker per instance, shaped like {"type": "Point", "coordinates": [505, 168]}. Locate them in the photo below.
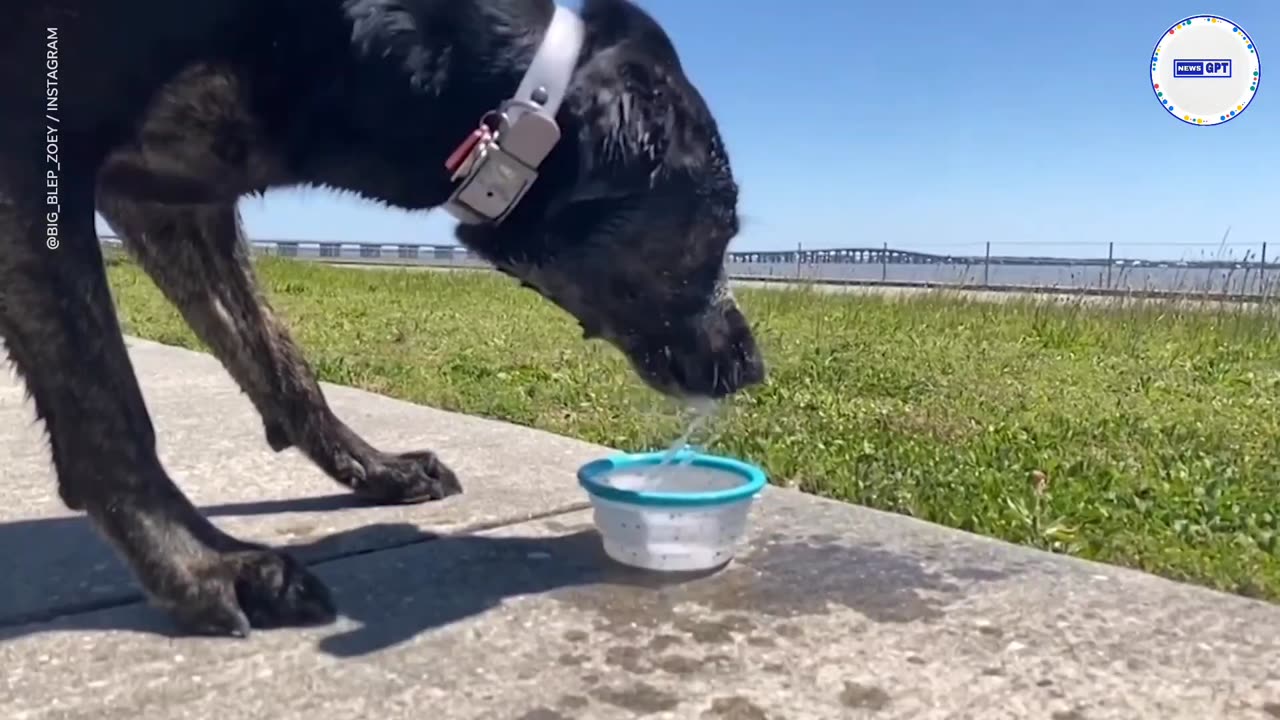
{"type": "Point", "coordinates": [986, 268]}
{"type": "Point", "coordinates": [1262, 270]}
{"type": "Point", "coordinates": [1111, 260]}
{"type": "Point", "coordinates": [799, 251]}
{"type": "Point", "coordinates": [884, 263]}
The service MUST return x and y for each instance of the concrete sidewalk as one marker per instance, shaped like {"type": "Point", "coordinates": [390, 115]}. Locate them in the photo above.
{"type": "Point", "coordinates": [498, 604]}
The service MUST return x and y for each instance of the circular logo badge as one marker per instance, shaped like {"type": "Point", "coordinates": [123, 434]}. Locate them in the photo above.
{"type": "Point", "coordinates": [1205, 70]}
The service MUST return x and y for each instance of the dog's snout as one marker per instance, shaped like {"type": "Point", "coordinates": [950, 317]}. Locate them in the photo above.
{"type": "Point", "coordinates": [739, 355]}
{"type": "Point", "coordinates": [752, 368]}
{"type": "Point", "coordinates": [721, 358]}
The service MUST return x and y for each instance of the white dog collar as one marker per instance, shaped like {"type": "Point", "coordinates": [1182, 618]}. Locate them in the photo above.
{"type": "Point", "coordinates": [498, 162]}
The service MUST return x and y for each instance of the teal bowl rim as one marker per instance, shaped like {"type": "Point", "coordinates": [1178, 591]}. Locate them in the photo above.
{"type": "Point", "coordinates": [754, 480]}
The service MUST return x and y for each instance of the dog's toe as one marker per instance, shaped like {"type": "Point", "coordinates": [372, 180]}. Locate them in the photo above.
{"type": "Point", "coordinates": [412, 477]}
{"type": "Point", "coordinates": [274, 590]}
{"type": "Point", "coordinates": [257, 588]}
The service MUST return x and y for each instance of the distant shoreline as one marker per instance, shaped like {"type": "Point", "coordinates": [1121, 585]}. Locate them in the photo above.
{"type": "Point", "coordinates": [1234, 284]}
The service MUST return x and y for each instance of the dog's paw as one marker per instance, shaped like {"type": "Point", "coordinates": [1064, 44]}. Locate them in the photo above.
{"type": "Point", "coordinates": [255, 588]}
{"type": "Point", "coordinates": [277, 436]}
{"type": "Point", "coordinates": [404, 478]}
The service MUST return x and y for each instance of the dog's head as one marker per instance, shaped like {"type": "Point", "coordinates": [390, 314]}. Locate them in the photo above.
{"type": "Point", "coordinates": [628, 225]}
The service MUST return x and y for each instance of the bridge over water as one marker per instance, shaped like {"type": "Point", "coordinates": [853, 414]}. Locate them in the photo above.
{"type": "Point", "coordinates": [1251, 276]}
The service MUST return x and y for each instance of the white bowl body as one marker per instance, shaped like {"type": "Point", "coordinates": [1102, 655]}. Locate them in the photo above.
{"type": "Point", "coordinates": [672, 539]}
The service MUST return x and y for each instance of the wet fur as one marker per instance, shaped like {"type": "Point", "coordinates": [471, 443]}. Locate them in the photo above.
{"type": "Point", "coordinates": [170, 112]}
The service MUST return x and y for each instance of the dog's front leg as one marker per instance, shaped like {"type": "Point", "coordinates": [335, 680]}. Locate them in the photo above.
{"type": "Point", "coordinates": [198, 258]}
{"type": "Point", "coordinates": [59, 325]}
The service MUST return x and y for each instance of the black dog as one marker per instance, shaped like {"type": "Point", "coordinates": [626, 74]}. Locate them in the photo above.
{"type": "Point", "coordinates": [162, 114]}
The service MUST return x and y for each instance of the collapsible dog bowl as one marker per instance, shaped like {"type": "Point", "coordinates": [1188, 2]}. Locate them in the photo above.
{"type": "Point", "coordinates": [681, 513]}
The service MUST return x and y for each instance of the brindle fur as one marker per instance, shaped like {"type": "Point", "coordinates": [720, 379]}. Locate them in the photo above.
{"type": "Point", "coordinates": [170, 112]}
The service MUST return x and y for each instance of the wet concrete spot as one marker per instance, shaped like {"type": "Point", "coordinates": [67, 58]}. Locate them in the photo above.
{"type": "Point", "coordinates": [542, 713]}
{"type": "Point", "coordinates": [678, 664]}
{"type": "Point", "coordinates": [789, 631]}
{"type": "Point", "coordinates": [573, 702]}
{"type": "Point", "coordinates": [572, 659]}
{"type": "Point", "coordinates": [979, 574]}
{"type": "Point", "coordinates": [864, 697]}
{"type": "Point", "coordinates": [663, 643]}
{"type": "Point", "coordinates": [1272, 709]}
{"type": "Point", "coordinates": [990, 630]}
{"type": "Point", "coordinates": [617, 627]}
{"type": "Point", "coordinates": [707, 632]}
{"type": "Point", "coordinates": [915, 660]}
{"type": "Point", "coordinates": [1068, 715]}
{"type": "Point", "coordinates": [735, 708]}
{"type": "Point", "coordinates": [576, 636]}
{"type": "Point", "coordinates": [993, 671]}
{"type": "Point", "coordinates": [631, 659]}
{"type": "Point", "coordinates": [641, 698]}
{"type": "Point", "coordinates": [776, 578]}
{"type": "Point", "coordinates": [1044, 682]}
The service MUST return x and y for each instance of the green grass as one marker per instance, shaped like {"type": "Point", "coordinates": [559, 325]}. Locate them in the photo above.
{"type": "Point", "coordinates": [1142, 435]}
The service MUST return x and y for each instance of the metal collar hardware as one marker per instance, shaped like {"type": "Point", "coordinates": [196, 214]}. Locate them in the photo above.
{"type": "Point", "coordinates": [498, 162]}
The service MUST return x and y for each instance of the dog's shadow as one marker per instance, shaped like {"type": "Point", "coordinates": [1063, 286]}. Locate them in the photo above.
{"type": "Point", "coordinates": [393, 580]}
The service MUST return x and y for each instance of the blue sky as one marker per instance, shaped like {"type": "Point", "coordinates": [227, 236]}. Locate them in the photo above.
{"type": "Point", "coordinates": [940, 126]}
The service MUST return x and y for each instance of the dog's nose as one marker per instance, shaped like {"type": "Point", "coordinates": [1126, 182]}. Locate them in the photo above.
{"type": "Point", "coordinates": [726, 359]}
{"type": "Point", "coordinates": [752, 371]}
{"type": "Point", "coordinates": [746, 366]}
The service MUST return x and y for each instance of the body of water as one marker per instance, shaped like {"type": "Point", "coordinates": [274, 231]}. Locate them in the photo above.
{"type": "Point", "coordinates": [1243, 278]}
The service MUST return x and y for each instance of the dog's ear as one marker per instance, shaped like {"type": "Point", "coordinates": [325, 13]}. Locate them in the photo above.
{"type": "Point", "coordinates": [609, 17]}
{"type": "Point", "coordinates": [627, 120]}
{"type": "Point", "coordinates": [388, 31]}
{"type": "Point", "coordinates": [637, 114]}
{"type": "Point", "coordinates": [612, 22]}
